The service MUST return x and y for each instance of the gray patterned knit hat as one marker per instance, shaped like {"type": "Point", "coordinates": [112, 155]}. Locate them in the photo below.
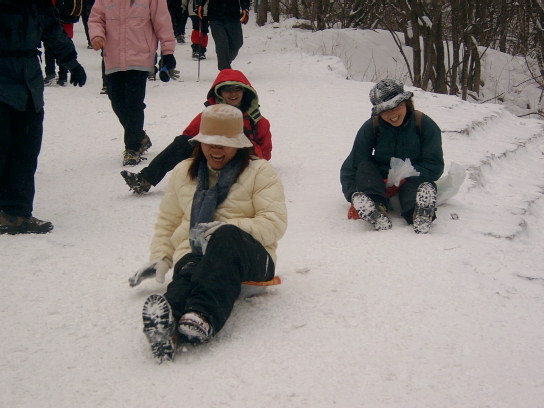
{"type": "Point", "coordinates": [388, 94]}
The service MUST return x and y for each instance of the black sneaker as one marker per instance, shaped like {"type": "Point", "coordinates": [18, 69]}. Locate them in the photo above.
{"type": "Point", "coordinates": [194, 328]}
{"type": "Point", "coordinates": [136, 182]}
{"type": "Point", "coordinates": [368, 211]}
{"type": "Point", "coordinates": [425, 207]}
{"type": "Point", "coordinates": [61, 82]}
{"type": "Point", "coordinates": [12, 224]}
{"type": "Point", "coordinates": [131, 157]}
{"type": "Point", "coordinates": [104, 91]}
{"type": "Point", "coordinates": [180, 39]}
{"type": "Point", "coordinates": [159, 327]}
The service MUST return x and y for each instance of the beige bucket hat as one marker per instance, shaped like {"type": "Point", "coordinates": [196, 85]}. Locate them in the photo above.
{"type": "Point", "coordinates": [222, 125]}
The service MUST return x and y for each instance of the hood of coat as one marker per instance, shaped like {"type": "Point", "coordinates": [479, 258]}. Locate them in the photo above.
{"type": "Point", "coordinates": [250, 100]}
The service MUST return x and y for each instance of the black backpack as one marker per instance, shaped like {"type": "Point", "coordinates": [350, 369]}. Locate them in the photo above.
{"type": "Point", "coordinates": [70, 10]}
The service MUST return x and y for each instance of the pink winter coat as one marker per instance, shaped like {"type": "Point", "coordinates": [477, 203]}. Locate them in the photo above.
{"type": "Point", "coordinates": [132, 30]}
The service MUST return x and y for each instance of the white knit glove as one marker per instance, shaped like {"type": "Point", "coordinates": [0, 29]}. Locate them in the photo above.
{"type": "Point", "coordinates": [158, 269]}
{"type": "Point", "coordinates": [201, 234]}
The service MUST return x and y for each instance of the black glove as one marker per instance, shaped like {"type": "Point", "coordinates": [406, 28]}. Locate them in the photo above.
{"type": "Point", "coordinates": [78, 76]}
{"type": "Point", "coordinates": [168, 61]}
{"type": "Point", "coordinates": [168, 68]}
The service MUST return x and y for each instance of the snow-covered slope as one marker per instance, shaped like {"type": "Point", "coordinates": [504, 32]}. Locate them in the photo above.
{"type": "Point", "coordinates": [363, 318]}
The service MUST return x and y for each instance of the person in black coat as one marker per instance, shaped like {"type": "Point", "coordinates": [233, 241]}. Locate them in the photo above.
{"type": "Point", "coordinates": [23, 26]}
{"type": "Point", "coordinates": [395, 131]}
{"type": "Point", "coordinates": [226, 17]}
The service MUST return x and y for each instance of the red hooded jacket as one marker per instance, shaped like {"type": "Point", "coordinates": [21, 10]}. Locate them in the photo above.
{"type": "Point", "coordinates": [256, 126]}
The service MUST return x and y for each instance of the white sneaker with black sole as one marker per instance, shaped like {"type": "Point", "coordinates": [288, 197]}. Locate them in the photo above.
{"type": "Point", "coordinates": [425, 207]}
{"type": "Point", "coordinates": [159, 327]}
{"type": "Point", "coordinates": [367, 210]}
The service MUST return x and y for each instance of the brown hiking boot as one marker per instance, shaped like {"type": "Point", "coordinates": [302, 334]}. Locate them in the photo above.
{"type": "Point", "coordinates": [12, 224]}
{"type": "Point", "coordinates": [145, 144]}
{"type": "Point", "coordinates": [131, 158]}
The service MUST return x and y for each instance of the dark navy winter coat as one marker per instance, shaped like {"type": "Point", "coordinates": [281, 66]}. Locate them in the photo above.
{"type": "Point", "coordinates": [24, 24]}
{"type": "Point", "coordinates": [424, 149]}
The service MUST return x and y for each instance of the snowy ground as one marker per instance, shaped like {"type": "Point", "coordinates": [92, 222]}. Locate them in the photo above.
{"type": "Point", "coordinates": [362, 319]}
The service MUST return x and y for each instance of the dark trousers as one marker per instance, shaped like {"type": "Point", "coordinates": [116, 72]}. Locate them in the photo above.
{"type": "Point", "coordinates": [126, 90]}
{"type": "Point", "coordinates": [85, 13]}
{"type": "Point", "coordinates": [178, 15]}
{"type": "Point", "coordinates": [210, 285]}
{"type": "Point", "coordinates": [20, 144]}
{"type": "Point", "coordinates": [50, 65]}
{"type": "Point", "coordinates": [371, 182]}
{"type": "Point", "coordinates": [228, 38]}
{"type": "Point", "coordinates": [183, 21]}
{"type": "Point", "coordinates": [177, 151]}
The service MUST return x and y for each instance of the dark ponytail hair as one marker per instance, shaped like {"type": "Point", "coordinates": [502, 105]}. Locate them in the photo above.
{"type": "Point", "coordinates": [410, 105]}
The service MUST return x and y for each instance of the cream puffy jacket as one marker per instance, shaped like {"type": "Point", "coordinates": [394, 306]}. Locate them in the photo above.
{"type": "Point", "coordinates": [255, 204]}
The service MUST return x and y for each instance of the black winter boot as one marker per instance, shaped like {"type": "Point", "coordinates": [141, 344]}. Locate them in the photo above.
{"type": "Point", "coordinates": [136, 182]}
{"type": "Point", "coordinates": [159, 327]}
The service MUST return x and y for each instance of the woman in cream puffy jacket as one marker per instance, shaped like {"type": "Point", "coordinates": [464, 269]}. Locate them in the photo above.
{"type": "Point", "coordinates": [218, 225]}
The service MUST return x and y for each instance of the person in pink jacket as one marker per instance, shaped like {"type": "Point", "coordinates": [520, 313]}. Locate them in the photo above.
{"type": "Point", "coordinates": [128, 33]}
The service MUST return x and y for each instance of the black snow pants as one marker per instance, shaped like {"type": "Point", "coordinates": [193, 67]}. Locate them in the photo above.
{"type": "Point", "coordinates": [126, 90]}
{"type": "Point", "coordinates": [20, 144]}
{"type": "Point", "coordinates": [210, 284]}
{"type": "Point", "coordinates": [228, 38]}
{"type": "Point", "coordinates": [177, 151]}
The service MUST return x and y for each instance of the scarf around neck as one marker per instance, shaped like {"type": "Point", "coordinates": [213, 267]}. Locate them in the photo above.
{"type": "Point", "coordinates": [206, 200]}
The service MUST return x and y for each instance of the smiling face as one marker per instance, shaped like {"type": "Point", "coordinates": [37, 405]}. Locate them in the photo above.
{"type": "Point", "coordinates": [218, 156]}
{"type": "Point", "coordinates": [396, 115]}
{"type": "Point", "coordinates": [233, 96]}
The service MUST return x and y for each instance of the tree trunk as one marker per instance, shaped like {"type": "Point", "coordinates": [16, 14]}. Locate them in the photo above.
{"type": "Point", "coordinates": [275, 10]}
{"type": "Point", "coordinates": [412, 16]}
{"type": "Point", "coordinates": [262, 15]}
{"type": "Point", "coordinates": [456, 31]}
{"type": "Point", "coordinates": [293, 8]}
{"type": "Point", "coordinates": [467, 43]}
{"type": "Point", "coordinates": [440, 83]}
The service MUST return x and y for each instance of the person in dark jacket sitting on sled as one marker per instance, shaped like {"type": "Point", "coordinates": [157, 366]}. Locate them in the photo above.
{"type": "Point", "coordinates": [219, 224]}
{"type": "Point", "coordinates": [395, 131]}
